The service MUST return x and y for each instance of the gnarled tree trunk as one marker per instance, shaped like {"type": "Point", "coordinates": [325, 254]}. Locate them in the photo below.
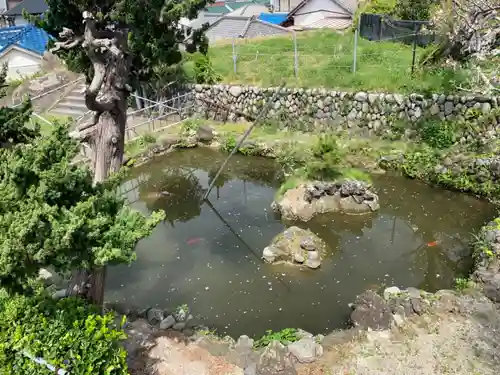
{"type": "Point", "coordinates": [107, 97]}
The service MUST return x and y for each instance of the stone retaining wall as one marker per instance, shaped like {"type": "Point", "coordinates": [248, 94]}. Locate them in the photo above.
{"type": "Point", "coordinates": [374, 110]}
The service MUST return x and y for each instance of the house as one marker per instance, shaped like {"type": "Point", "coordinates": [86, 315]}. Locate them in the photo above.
{"type": "Point", "coordinates": [232, 27]}
{"type": "Point", "coordinates": [317, 14]}
{"type": "Point", "coordinates": [216, 10]}
{"type": "Point", "coordinates": [22, 48]}
{"type": "Point", "coordinates": [285, 5]}
{"type": "Point", "coordinates": [33, 7]}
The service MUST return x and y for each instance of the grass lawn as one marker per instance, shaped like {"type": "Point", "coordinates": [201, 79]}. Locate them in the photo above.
{"type": "Point", "coordinates": [325, 59]}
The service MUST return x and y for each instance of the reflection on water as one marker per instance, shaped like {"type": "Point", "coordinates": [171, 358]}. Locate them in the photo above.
{"type": "Point", "coordinates": [208, 254]}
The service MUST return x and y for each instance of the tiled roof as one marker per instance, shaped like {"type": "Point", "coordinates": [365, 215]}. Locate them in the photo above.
{"type": "Point", "coordinates": [217, 9]}
{"type": "Point", "coordinates": [274, 18]}
{"type": "Point", "coordinates": [248, 10]}
{"type": "Point", "coordinates": [330, 23]}
{"type": "Point", "coordinates": [31, 6]}
{"type": "Point", "coordinates": [27, 37]}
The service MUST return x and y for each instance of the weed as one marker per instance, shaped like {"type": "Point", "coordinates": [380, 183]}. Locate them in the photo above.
{"type": "Point", "coordinates": [290, 158]}
{"type": "Point", "coordinates": [438, 134]}
{"type": "Point", "coordinates": [355, 174]}
{"type": "Point", "coordinates": [229, 144]}
{"type": "Point", "coordinates": [190, 125]}
{"type": "Point", "coordinates": [285, 336]}
{"type": "Point", "coordinates": [462, 283]}
{"type": "Point", "coordinates": [326, 157]}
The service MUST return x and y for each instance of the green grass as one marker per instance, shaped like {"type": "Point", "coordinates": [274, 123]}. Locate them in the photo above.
{"type": "Point", "coordinates": [46, 128]}
{"type": "Point", "coordinates": [325, 60]}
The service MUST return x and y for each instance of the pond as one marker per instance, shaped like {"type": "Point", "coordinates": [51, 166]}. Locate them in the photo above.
{"type": "Point", "coordinates": [207, 254]}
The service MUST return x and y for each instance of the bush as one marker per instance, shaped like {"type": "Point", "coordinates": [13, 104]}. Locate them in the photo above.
{"type": "Point", "coordinates": [68, 334]}
{"type": "Point", "coordinates": [285, 336]}
{"type": "Point", "coordinates": [204, 71]}
{"type": "Point", "coordinates": [438, 134]}
{"type": "Point", "coordinates": [326, 157]}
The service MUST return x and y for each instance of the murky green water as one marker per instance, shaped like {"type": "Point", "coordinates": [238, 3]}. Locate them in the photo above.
{"type": "Point", "coordinates": [208, 254]}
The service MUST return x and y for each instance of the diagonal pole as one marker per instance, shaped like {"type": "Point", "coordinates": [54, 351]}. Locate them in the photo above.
{"type": "Point", "coordinates": [250, 128]}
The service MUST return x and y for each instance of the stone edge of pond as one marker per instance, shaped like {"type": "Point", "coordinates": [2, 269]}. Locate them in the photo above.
{"type": "Point", "coordinates": [473, 173]}
{"type": "Point", "coordinates": [370, 310]}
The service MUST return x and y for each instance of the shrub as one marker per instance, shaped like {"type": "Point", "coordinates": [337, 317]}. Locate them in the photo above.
{"type": "Point", "coordinates": [438, 134]}
{"type": "Point", "coordinates": [204, 71]}
{"type": "Point", "coordinates": [68, 334]}
{"type": "Point", "coordinates": [326, 157]}
{"type": "Point", "coordinates": [285, 336]}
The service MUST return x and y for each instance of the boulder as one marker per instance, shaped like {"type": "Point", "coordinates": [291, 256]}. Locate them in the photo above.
{"type": "Point", "coordinates": [154, 316]}
{"type": "Point", "coordinates": [204, 133]}
{"type": "Point", "coordinates": [295, 245]}
{"type": "Point", "coordinates": [311, 199]}
{"type": "Point", "coordinates": [371, 311]}
{"type": "Point", "coordinates": [306, 350]}
{"type": "Point", "coordinates": [275, 360]}
{"type": "Point", "coordinates": [168, 322]}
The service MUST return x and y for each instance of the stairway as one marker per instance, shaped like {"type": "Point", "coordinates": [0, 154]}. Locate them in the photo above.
{"type": "Point", "coordinates": [73, 104]}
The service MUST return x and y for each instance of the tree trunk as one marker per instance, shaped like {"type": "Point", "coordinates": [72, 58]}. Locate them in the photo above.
{"type": "Point", "coordinates": [106, 96]}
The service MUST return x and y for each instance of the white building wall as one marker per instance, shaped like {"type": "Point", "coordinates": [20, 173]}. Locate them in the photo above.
{"type": "Point", "coordinates": [20, 64]}
{"type": "Point", "coordinates": [311, 12]}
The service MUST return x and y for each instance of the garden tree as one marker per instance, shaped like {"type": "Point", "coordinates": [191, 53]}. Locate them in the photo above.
{"type": "Point", "coordinates": [53, 215]}
{"type": "Point", "coordinates": [467, 29]}
{"type": "Point", "coordinates": [117, 44]}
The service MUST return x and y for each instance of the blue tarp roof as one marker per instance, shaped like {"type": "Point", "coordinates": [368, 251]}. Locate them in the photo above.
{"type": "Point", "coordinates": [28, 37]}
{"type": "Point", "coordinates": [274, 18]}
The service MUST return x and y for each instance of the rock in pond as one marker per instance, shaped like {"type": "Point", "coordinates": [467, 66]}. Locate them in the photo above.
{"type": "Point", "coordinates": [204, 133]}
{"type": "Point", "coordinates": [314, 198]}
{"type": "Point", "coordinates": [295, 245]}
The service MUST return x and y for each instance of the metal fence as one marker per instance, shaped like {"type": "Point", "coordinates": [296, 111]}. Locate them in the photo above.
{"type": "Point", "coordinates": [252, 59]}
{"type": "Point", "coordinates": [382, 27]}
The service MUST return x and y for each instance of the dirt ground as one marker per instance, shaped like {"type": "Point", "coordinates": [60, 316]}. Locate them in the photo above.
{"type": "Point", "coordinates": [461, 343]}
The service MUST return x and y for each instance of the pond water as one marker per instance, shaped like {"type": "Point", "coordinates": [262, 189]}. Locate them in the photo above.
{"type": "Point", "coordinates": [207, 255]}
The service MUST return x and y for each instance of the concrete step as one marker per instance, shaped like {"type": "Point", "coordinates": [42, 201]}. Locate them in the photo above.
{"type": "Point", "coordinates": [72, 104]}
{"type": "Point", "coordinates": [68, 111]}
{"type": "Point", "coordinates": [76, 98]}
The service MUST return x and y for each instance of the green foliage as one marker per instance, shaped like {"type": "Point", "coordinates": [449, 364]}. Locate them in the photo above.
{"type": "Point", "coordinates": [387, 7]}
{"type": "Point", "coordinates": [229, 144]}
{"type": "Point", "coordinates": [51, 214]}
{"type": "Point", "coordinates": [290, 158]}
{"type": "Point", "coordinates": [438, 134]}
{"type": "Point", "coordinates": [204, 71]}
{"type": "Point", "coordinates": [463, 283]}
{"type": "Point", "coordinates": [13, 129]}
{"type": "Point", "coordinates": [139, 145]}
{"type": "Point", "coordinates": [189, 126]}
{"type": "Point", "coordinates": [326, 157]}
{"type": "Point", "coordinates": [285, 336]}
{"type": "Point", "coordinates": [67, 333]}
{"type": "Point", "coordinates": [419, 10]}
{"type": "Point", "coordinates": [355, 174]}
{"type": "Point", "coordinates": [152, 30]}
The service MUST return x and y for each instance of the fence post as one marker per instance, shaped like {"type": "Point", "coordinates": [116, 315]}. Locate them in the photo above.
{"type": "Point", "coordinates": [234, 57]}
{"type": "Point", "coordinates": [355, 52]}
{"type": "Point", "coordinates": [415, 38]}
{"type": "Point", "coordinates": [295, 56]}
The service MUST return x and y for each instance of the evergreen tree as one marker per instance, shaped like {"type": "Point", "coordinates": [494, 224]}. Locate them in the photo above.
{"type": "Point", "coordinates": [117, 44]}
{"type": "Point", "coordinates": [53, 215]}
